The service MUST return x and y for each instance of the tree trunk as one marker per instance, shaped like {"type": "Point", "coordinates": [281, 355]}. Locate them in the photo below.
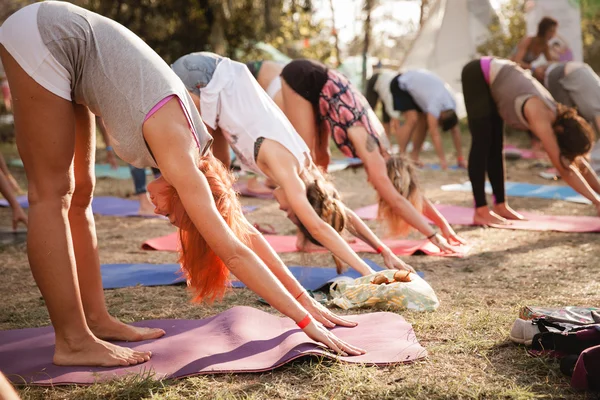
{"type": "Point", "coordinates": [422, 14]}
{"type": "Point", "coordinates": [338, 57]}
{"type": "Point", "coordinates": [217, 40]}
{"type": "Point", "coordinates": [368, 7]}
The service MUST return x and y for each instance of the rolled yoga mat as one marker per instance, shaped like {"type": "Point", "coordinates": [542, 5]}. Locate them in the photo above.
{"type": "Point", "coordinates": [516, 189]}
{"type": "Point", "coordinates": [115, 276]}
{"type": "Point", "coordinates": [239, 340]}
{"type": "Point", "coordinates": [287, 244]}
{"type": "Point", "coordinates": [535, 222]}
{"type": "Point", "coordinates": [112, 206]}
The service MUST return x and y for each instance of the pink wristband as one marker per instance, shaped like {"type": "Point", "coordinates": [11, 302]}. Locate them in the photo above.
{"type": "Point", "coordinates": [300, 295]}
{"type": "Point", "coordinates": [379, 250]}
{"type": "Point", "coordinates": [304, 322]}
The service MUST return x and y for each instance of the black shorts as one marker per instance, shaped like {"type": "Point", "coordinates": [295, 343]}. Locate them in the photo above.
{"type": "Point", "coordinates": [403, 101]}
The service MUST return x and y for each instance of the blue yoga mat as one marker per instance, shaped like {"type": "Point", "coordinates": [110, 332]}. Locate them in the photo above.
{"type": "Point", "coordinates": [116, 276]}
{"type": "Point", "coordinates": [437, 167]}
{"type": "Point", "coordinates": [517, 189]}
{"type": "Point", "coordinates": [102, 170]}
{"type": "Point", "coordinates": [111, 206]}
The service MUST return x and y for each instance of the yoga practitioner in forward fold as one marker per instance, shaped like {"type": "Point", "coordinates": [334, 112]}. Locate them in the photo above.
{"type": "Point", "coordinates": [65, 63]}
{"type": "Point", "coordinates": [499, 92]}
{"type": "Point", "coordinates": [530, 48]}
{"type": "Point", "coordinates": [378, 89]}
{"type": "Point", "coordinates": [427, 104]}
{"type": "Point", "coordinates": [574, 84]}
{"type": "Point", "coordinates": [233, 105]}
{"type": "Point", "coordinates": [322, 104]}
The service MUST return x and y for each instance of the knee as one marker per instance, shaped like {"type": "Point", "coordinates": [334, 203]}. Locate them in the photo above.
{"type": "Point", "coordinates": [83, 193]}
{"type": "Point", "coordinates": [52, 192]}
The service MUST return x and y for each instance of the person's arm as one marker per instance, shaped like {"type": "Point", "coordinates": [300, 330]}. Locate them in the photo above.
{"type": "Point", "coordinates": [548, 55]}
{"type": "Point", "coordinates": [368, 152]}
{"type": "Point", "coordinates": [266, 253]}
{"type": "Point", "coordinates": [11, 179]}
{"type": "Point", "coordinates": [436, 138]}
{"type": "Point", "coordinates": [520, 53]}
{"type": "Point", "coordinates": [589, 175]}
{"type": "Point", "coordinates": [358, 228]}
{"type": "Point", "coordinates": [542, 128]}
{"type": "Point", "coordinates": [176, 155]}
{"type": "Point", "coordinates": [438, 219]}
{"type": "Point", "coordinates": [220, 147]}
{"type": "Point", "coordinates": [18, 213]}
{"type": "Point", "coordinates": [458, 145]}
{"type": "Point", "coordinates": [110, 153]}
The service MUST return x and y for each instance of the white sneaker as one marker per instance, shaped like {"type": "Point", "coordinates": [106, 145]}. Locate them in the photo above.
{"type": "Point", "coordinates": [523, 331]}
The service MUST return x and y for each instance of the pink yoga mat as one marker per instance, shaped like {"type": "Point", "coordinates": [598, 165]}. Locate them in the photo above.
{"type": "Point", "coordinates": [524, 153]}
{"type": "Point", "coordinates": [241, 339]}
{"type": "Point", "coordinates": [242, 189]}
{"type": "Point", "coordinates": [287, 244]}
{"type": "Point", "coordinates": [535, 222]}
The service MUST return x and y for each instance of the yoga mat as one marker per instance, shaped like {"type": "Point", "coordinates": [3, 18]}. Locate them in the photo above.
{"type": "Point", "coordinates": [535, 222]}
{"type": "Point", "coordinates": [102, 170]}
{"type": "Point", "coordinates": [437, 167]}
{"type": "Point", "coordinates": [115, 276]}
{"type": "Point", "coordinates": [239, 340]}
{"type": "Point", "coordinates": [516, 189]}
{"type": "Point", "coordinates": [8, 236]}
{"type": "Point", "coordinates": [510, 149]}
{"type": "Point", "coordinates": [287, 244]}
{"type": "Point", "coordinates": [113, 206]}
{"type": "Point", "coordinates": [242, 189]}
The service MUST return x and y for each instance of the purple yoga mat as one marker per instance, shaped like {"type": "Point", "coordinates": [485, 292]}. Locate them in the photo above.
{"type": "Point", "coordinates": [241, 339]}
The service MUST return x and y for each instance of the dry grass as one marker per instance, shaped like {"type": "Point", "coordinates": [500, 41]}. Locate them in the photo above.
{"type": "Point", "coordinates": [470, 356]}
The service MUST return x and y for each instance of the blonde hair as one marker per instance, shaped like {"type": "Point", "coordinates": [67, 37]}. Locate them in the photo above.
{"type": "Point", "coordinates": [402, 174]}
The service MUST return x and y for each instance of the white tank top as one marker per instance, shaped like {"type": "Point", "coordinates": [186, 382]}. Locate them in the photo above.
{"type": "Point", "coordinates": [234, 101]}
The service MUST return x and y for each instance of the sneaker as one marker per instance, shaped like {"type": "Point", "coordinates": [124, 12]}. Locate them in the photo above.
{"type": "Point", "coordinates": [523, 332]}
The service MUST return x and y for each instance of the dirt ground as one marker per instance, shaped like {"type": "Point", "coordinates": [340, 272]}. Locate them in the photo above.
{"type": "Point", "coordinates": [470, 355]}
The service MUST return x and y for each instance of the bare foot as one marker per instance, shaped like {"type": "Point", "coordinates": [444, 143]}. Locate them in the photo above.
{"type": "Point", "coordinates": [146, 207]}
{"type": "Point", "coordinates": [113, 329]}
{"type": "Point", "coordinates": [503, 210]}
{"type": "Point", "coordinates": [96, 352]}
{"type": "Point", "coordinates": [255, 186]}
{"type": "Point", "coordinates": [483, 216]}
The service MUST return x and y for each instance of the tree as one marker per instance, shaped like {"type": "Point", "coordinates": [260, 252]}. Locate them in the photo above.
{"type": "Point", "coordinates": [503, 41]}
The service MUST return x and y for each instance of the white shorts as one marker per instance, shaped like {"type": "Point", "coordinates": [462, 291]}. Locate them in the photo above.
{"type": "Point", "coordinates": [21, 37]}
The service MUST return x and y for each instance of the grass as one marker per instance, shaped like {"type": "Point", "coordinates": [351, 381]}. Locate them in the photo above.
{"type": "Point", "coordinates": [470, 356]}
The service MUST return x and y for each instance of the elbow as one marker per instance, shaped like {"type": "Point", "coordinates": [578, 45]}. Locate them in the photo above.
{"type": "Point", "coordinates": [318, 230]}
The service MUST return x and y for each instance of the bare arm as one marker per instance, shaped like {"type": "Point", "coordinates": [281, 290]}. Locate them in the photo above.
{"type": "Point", "coordinates": [456, 138]}
{"type": "Point", "coordinates": [543, 129]}
{"type": "Point", "coordinates": [434, 130]}
{"type": "Point", "coordinates": [287, 177]}
{"type": "Point", "coordinates": [589, 175]}
{"type": "Point", "coordinates": [7, 191]}
{"type": "Point", "coordinates": [110, 154]}
{"type": "Point", "coordinates": [521, 51]}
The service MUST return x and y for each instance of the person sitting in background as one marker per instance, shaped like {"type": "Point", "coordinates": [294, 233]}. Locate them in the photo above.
{"type": "Point", "coordinates": [426, 103]}
{"type": "Point", "coordinates": [531, 48]}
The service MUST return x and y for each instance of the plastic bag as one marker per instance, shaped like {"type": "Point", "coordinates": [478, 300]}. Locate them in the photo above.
{"type": "Point", "coordinates": [415, 295]}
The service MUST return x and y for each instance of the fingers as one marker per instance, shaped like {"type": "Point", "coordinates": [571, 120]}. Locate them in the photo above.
{"type": "Point", "coordinates": [348, 348]}
{"type": "Point", "coordinates": [337, 320]}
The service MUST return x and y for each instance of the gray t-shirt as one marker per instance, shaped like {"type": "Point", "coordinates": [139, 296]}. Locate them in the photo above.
{"type": "Point", "coordinates": [115, 74]}
{"type": "Point", "coordinates": [428, 90]}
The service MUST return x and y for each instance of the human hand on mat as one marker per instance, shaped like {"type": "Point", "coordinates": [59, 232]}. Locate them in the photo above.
{"type": "Point", "coordinates": [322, 314]}
{"type": "Point", "coordinates": [442, 244]}
{"type": "Point", "coordinates": [451, 236]}
{"type": "Point", "coordinates": [391, 261]}
{"type": "Point", "coordinates": [19, 216]}
{"type": "Point", "coordinates": [317, 332]}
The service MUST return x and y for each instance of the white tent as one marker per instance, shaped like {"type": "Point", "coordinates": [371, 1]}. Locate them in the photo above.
{"type": "Point", "coordinates": [449, 39]}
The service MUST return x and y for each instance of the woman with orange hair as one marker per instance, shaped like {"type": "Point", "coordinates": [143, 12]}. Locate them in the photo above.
{"type": "Point", "coordinates": [87, 64]}
{"type": "Point", "coordinates": [233, 105]}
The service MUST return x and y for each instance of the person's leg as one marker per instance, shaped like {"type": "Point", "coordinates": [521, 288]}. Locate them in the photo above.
{"type": "Point", "coordinates": [480, 111]}
{"type": "Point", "coordinates": [139, 182]}
{"type": "Point", "coordinates": [420, 132]}
{"type": "Point", "coordinates": [405, 131]}
{"type": "Point", "coordinates": [45, 133]}
{"type": "Point", "coordinates": [85, 243]}
{"type": "Point", "coordinates": [302, 116]}
{"type": "Point", "coordinates": [496, 171]}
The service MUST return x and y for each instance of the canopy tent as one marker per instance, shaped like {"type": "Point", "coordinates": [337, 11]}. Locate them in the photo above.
{"type": "Point", "coordinates": [448, 40]}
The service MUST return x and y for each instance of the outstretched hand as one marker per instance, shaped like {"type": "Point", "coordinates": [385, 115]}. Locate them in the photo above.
{"type": "Point", "coordinates": [452, 238]}
{"type": "Point", "coordinates": [111, 159]}
{"type": "Point", "coordinates": [391, 261]}
{"type": "Point", "coordinates": [317, 332]}
{"type": "Point", "coordinates": [442, 244]}
{"type": "Point", "coordinates": [322, 314]}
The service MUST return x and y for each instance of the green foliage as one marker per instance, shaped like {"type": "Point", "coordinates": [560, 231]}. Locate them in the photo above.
{"type": "Point", "coordinates": [503, 40]}
{"type": "Point", "coordinates": [230, 27]}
